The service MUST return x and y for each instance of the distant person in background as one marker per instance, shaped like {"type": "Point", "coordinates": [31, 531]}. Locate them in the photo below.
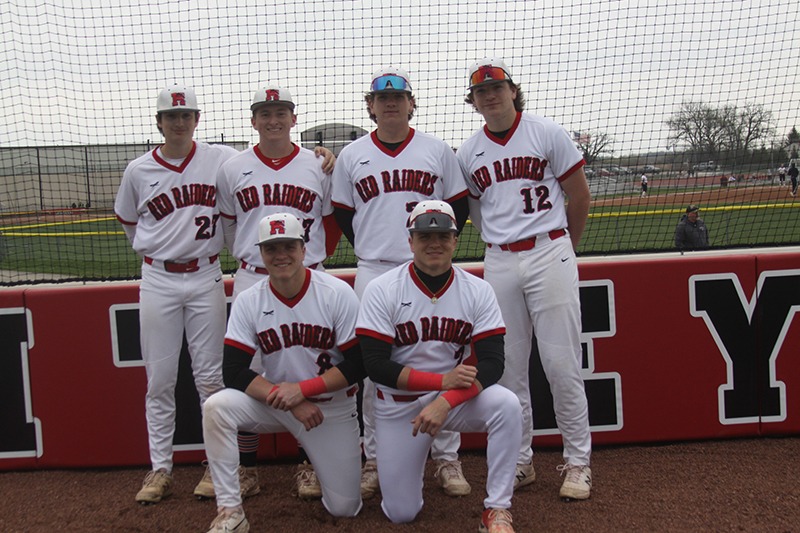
{"type": "Point", "coordinates": [691, 233]}
{"type": "Point", "coordinates": [793, 176]}
{"type": "Point", "coordinates": [782, 174]}
{"type": "Point", "coordinates": [644, 185]}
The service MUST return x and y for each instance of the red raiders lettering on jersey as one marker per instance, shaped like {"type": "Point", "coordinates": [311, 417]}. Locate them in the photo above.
{"type": "Point", "coordinates": [272, 94]}
{"type": "Point", "coordinates": [277, 227]}
{"type": "Point", "coordinates": [178, 99]}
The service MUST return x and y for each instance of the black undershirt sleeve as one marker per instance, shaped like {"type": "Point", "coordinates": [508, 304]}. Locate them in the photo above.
{"type": "Point", "coordinates": [352, 368]}
{"type": "Point", "coordinates": [344, 217]}
{"type": "Point", "coordinates": [491, 359]}
{"type": "Point", "coordinates": [461, 210]}
{"type": "Point", "coordinates": [377, 360]}
{"type": "Point", "coordinates": [236, 373]}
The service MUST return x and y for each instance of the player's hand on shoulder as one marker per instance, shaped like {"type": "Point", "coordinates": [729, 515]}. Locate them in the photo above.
{"type": "Point", "coordinates": [285, 396]}
{"type": "Point", "coordinates": [308, 413]}
{"type": "Point", "coordinates": [431, 418]}
{"type": "Point", "coordinates": [330, 160]}
{"type": "Point", "coordinates": [460, 377]}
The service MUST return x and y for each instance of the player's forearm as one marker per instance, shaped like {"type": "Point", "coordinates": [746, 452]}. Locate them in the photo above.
{"type": "Point", "coordinates": [259, 388]}
{"type": "Point", "coordinates": [130, 231]}
{"type": "Point", "coordinates": [577, 190]}
{"type": "Point", "coordinates": [577, 215]}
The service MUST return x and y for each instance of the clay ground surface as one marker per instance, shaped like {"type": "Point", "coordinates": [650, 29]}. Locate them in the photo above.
{"type": "Point", "coordinates": [722, 485]}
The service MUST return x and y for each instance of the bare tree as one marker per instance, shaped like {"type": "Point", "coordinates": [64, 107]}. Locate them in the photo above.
{"type": "Point", "coordinates": [598, 143]}
{"type": "Point", "coordinates": [716, 133]}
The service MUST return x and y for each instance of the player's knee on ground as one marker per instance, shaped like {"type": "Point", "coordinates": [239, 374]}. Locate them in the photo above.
{"type": "Point", "coordinates": [341, 506]}
{"type": "Point", "coordinates": [400, 512]}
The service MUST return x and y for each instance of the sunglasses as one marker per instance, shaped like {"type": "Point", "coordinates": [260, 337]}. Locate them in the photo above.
{"type": "Point", "coordinates": [489, 73]}
{"type": "Point", "coordinates": [391, 82]}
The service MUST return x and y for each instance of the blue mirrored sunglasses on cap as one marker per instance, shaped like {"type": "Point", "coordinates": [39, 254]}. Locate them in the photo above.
{"type": "Point", "coordinates": [390, 82]}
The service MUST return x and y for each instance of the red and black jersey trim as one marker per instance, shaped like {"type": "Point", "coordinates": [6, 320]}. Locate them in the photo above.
{"type": "Point", "coordinates": [173, 168]}
{"type": "Point", "coordinates": [502, 142]}
{"type": "Point", "coordinates": [276, 164]}
{"type": "Point", "coordinates": [296, 300]}
{"type": "Point", "coordinates": [391, 153]}
{"type": "Point", "coordinates": [418, 282]}
{"type": "Point", "coordinates": [240, 346]}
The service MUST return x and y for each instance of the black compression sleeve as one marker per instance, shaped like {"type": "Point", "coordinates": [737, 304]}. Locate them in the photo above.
{"type": "Point", "coordinates": [377, 360]}
{"type": "Point", "coordinates": [461, 210]}
{"type": "Point", "coordinates": [491, 359]}
{"type": "Point", "coordinates": [236, 373]}
{"type": "Point", "coordinates": [352, 368]}
{"type": "Point", "coordinates": [344, 217]}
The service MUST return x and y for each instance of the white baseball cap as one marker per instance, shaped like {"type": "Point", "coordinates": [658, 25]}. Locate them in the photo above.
{"type": "Point", "coordinates": [280, 227]}
{"type": "Point", "coordinates": [432, 216]}
{"type": "Point", "coordinates": [488, 70]}
{"type": "Point", "coordinates": [272, 94]}
{"type": "Point", "coordinates": [177, 98]}
{"type": "Point", "coordinates": [390, 80]}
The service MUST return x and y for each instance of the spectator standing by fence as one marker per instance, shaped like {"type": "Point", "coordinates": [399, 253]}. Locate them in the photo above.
{"type": "Point", "coordinates": [691, 233]}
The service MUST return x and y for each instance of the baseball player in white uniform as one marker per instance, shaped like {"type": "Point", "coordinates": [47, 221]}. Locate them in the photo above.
{"type": "Point", "coordinates": [378, 180]}
{"type": "Point", "coordinates": [167, 204]}
{"type": "Point", "coordinates": [274, 176]}
{"type": "Point", "coordinates": [519, 168]}
{"type": "Point", "coordinates": [302, 322]}
{"type": "Point", "coordinates": [417, 324]}
{"type": "Point", "coordinates": [643, 181]}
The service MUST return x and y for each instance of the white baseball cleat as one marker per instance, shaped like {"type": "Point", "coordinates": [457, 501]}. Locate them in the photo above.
{"type": "Point", "coordinates": [230, 520]}
{"type": "Point", "coordinates": [578, 483]}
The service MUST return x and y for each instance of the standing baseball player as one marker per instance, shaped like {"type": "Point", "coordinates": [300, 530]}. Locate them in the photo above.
{"type": "Point", "coordinates": [378, 180]}
{"type": "Point", "coordinates": [167, 204]}
{"type": "Point", "coordinates": [303, 324]}
{"type": "Point", "coordinates": [417, 324]}
{"type": "Point", "coordinates": [274, 176]}
{"type": "Point", "coordinates": [519, 167]}
{"type": "Point", "coordinates": [793, 173]}
{"type": "Point", "coordinates": [644, 185]}
{"type": "Point", "coordinates": [782, 174]}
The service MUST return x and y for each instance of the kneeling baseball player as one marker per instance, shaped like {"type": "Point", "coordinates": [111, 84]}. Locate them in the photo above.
{"type": "Point", "coordinates": [417, 324]}
{"type": "Point", "coordinates": [303, 323]}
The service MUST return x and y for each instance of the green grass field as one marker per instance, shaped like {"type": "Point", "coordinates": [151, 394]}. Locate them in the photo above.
{"type": "Point", "coordinates": [97, 249]}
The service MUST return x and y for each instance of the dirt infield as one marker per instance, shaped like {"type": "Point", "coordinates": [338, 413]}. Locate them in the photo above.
{"type": "Point", "coordinates": [725, 485]}
{"type": "Point", "coordinates": [705, 198]}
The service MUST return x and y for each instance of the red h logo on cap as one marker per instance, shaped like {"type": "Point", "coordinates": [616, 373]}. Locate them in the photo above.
{"type": "Point", "coordinates": [178, 99]}
{"type": "Point", "coordinates": [272, 94]}
{"type": "Point", "coordinates": [277, 227]}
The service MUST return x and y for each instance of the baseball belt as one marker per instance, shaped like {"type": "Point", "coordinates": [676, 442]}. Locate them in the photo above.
{"type": "Point", "coordinates": [400, 397]}
{"type": "Point", "coordinates": [350, 392]}
{"type": "Point", "coordinates": [528, 244]}
{"type": "Point", "coordinates": [179, 267]}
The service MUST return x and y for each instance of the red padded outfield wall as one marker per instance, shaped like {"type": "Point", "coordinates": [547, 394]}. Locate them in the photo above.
{"type": "Point", "coordinates": [675, 347]}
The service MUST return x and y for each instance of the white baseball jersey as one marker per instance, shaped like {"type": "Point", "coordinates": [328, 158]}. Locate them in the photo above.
{"type": "Point", "coordinates": [517, 178]}
{"type": "Point", "coordinates": [644, 179]}
{"type": "Point", "coordinates": [252, 186]}
{"type": "Point", "coordinates": [428, 336]}
{"type": "Point", "coordinates": [173, 203]}
{"type": "Point", "coordinates": [300, 338]}
{"type": "Point", "coordinates": [383, 187]}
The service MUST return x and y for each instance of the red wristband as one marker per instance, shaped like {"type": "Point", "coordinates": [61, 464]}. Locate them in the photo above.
{"type": "Point", "coordinates": [272, 390]}
{"type": "Point", "coordinates": [313, 387]}
{"type": "Point", "coordinates": [424, 381]}
{"type": "Point", "coordinates": [458, 396]}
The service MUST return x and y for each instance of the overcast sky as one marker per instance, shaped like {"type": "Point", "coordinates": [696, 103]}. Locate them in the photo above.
{"type": "Point", "coordinates": [85, 73]}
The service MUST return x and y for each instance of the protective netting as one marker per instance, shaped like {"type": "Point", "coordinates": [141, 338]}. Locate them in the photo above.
{"type": "Point", "coordinates": [688, 93]}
